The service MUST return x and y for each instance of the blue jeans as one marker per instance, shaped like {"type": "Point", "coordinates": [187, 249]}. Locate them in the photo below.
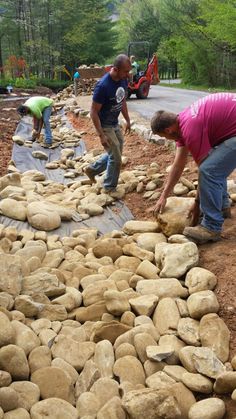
{"type": "Point", "coordinates": [110, 161]}
{"type": "Point", "coordinates": [213, 173]}
{"type": "Point", "coordinates": [46, 121]}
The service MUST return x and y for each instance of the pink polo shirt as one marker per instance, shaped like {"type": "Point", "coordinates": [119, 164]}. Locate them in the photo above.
{"type": "Point", "coordinates": [206, 123]}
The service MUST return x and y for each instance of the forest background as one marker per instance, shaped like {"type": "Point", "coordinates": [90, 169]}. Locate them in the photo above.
{"type": "Point", "coordinates": [42, 41]}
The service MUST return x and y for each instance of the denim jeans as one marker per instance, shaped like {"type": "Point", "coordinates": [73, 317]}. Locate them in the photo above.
{"type": "Point", "coordinates": [110, 161]}
{"type": "Point", "coordinates": [213, 173]}
{"type": "Point", "coordinates": [47, 128]}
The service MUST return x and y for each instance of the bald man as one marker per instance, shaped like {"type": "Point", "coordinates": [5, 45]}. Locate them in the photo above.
{"type": "Point", "coordinates": [109, 99]}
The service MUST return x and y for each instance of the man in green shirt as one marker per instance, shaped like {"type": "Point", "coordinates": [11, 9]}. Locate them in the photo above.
{"type": "Point", "coordinates": [40, 108]}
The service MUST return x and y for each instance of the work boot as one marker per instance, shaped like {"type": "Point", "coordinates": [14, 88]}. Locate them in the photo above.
{"type": "Point", "coordinates": [90, 173]}
{"type": "Point", "coordinates": [200, 234]}
{"type": "Point", "coordinates": [226, 212]}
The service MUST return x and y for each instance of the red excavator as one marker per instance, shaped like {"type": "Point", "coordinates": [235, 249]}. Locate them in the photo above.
{"type": "Point", "coordinates": [149, 75]}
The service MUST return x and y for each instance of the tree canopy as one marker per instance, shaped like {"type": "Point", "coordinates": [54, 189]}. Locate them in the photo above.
{"type": "Point", "coordinates": [198, 36]}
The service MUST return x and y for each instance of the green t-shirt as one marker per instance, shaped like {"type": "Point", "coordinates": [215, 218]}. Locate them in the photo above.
{"type": "Point", "coordinates": [37, 104]}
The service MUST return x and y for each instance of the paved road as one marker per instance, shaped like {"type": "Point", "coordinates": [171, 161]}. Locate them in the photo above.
{"type": "Point", "coordinates": [168, 98]}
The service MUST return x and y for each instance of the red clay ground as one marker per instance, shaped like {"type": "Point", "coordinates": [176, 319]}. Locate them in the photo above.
{"type": "Point", "coordinates": [218, 257]}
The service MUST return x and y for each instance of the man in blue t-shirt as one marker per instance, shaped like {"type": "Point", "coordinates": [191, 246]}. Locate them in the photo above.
{"type": "Point", "coordinates": [109, 99]}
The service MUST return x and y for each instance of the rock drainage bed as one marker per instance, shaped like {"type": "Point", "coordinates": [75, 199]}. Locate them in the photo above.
{"type": "Point", "coordinates": [124, 325]}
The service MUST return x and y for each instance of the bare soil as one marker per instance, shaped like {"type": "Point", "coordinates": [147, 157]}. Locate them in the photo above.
{"type": "Point", "coordinates": [219, 257]}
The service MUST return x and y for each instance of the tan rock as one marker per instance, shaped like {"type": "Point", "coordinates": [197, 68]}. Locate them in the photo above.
{"type": "Point", "coordinates": [105, 389]}
{"type": "Point", "coordinates": [148, 270]}
{"type": "Point", "coordinates": [197, 382]}
{"type": "Point", "coordinates": [5, 379]}
{"type": "Point", "coordinates": [133, 250]}
{"type": "Point", "coordinates": [13, 209]}
{"type": "Point", "coordinates": [28, 393]}
{"type": "Point", "coordinates": [108, 330]}
{"type": "Point", "coordinates": [107, 247]}
{"type": "Point", "coordinates": [159, 380]}
{"type": "Point", "coordinates": [53, 408]}
{"type": "Point", "coordinates": [104, 358]}
{"type": "Point", "coordinates": [87, 378]}
{"type": "Point", "coordinates": [67, 368]}
{"type": "Point", "coordinates": [7, 332]}
{"type": "Point", "coordinates": [225, 382]}
{"type": "Point", "coordinates": [91, 279]}
{"type": "Point", "coordinates": [39, 358]}
{"type": "Point", "coordinates": [53, 258]}
{"type": "Point", "coordinates": [25, 338]}
{"type": "Point", "coordinates": [186, 358]}
{"type": "Point", "coordinates": [200, 279]}
{"type": "Point", "coordinates": [188, 331]}
{"type": "Point", "coordinates": [94, 292]}
{"type": "Point", "coordinates": [87, 405]}
{"type": "Point", "coordinates": [91, 313]}
{"type": "Point", "coordinates": [159, 353]}
{"type": "Point", "coordinates": [129, 263]}
{"type": "Point", "coordinates": [174, 218]}
{"type": "Point", "coordinates": [8, 399]}
{"type": "Point", "coordinates": [185, 398]}
{"type": "Point", "coordinates": [14, 361]}
{"type": "Point", "coordinates": [175, 260]}
{"type": "Point", "coordinates": [212, 408]}
{"type": "Point", "coordinates": [206, 362]}
{"type": "Point", "coordinates": [125, 349]}
{"type": "Point", "coordinates": [141, 342]}
{"type": "Point", "coordinates": [112, 409]}
{"type": "Point", "coordinates": [148, 241]}
{"type": "Point", "coordinates": [175, 371]}
{"type": "Point", "coordinates": [151, 367]}
{"type": "Point", "coordinates": [166, 316]}
{"type": "Point", "coordinates": [54, 382]}
{"type": "Point", "coordinates": [43, 217]}
{"type": "Point", "coordinates": [215, 334]}
{"type": "Point", "coordinates": [176, 344]}
{"type": "Point", "coordinates": [75, 353]}
{"type": "Point", "coordinates": [162, 288]}
{"type": "Point", "coordinates": [26, 305]}
{"type": "Point", "coordinates": [129, 368]}
{"type": "Point", "coordinates": [128, 336]}
{"type": "Point", "coordinates": [43, 282]}
{"type": "Point", "coordinates": [120, 275]}
{"type": "Point", "coordinates": [53, 312]}
{"type": "Point", "coordinates": [19, 413]}
{"type": "Point", "coordinates": [201, 303]}
{"type": "Point", "coordinates": [132, 227]}
{"type": "Point", "coordinates": [12, 272]}
{"type": "Point", "coordinates": [144, 305]}
{"type": "Point", "coordinates": [153, 404]}
{"type": "Point", "coordinates": [116, 302]}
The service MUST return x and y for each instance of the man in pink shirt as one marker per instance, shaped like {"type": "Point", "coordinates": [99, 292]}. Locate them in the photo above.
{"type": "Point", "coordinates": [207, 129]}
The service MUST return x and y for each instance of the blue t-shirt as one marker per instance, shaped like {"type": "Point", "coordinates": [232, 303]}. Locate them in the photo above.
{"type": "Point", "coordinates": [110, 94]}
{"type": "Point", "coordinates": [76, 75]}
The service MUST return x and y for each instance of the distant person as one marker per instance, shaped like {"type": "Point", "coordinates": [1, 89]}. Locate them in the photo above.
{"type": "Point", "coordinates": [40, 108]}
{"type": "Point", "coordinates": [134, 69]}
{"type": "Point", "coordinates": [78, 80]}
{"type": "Point", "coordinates": [206, 129]}
{"type": "Point", "coordinates": [109, 99]}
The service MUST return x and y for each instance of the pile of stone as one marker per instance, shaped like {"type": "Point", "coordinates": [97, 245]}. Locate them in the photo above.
{"type": "Point", "coordinates": [66, 93]}
{"type": "Point", "coordinates": [122, 326]}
